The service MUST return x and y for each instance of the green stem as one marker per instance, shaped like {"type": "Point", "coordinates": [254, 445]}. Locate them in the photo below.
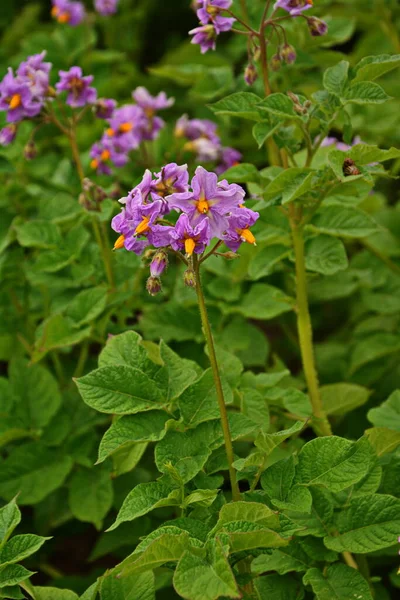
{"type": "Point", "coordinates": [218, 385]}
{"type": "Point", "coordinates": [320, 422]}
{"type": "Point", "coordinates": [80, 367]}
{"type": "Point", "coordinates": [104, 252]}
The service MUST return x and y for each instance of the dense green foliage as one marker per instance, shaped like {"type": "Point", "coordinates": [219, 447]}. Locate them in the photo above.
{"type": "Point", "coordinates": [110, 431]}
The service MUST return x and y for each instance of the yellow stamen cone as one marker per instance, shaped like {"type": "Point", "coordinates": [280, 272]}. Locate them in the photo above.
{"type": "Point", "coordinates": [247, 236]}
{"type": "Point", "coordinates": [203, 207]}
{"type": "Point", "coordinates": [119, 242]}
{"type": "Point", "coordinates": [15, 101]}
{"type": "Point", "coordinates": [190, 245]}
{"type": "Point", "coordinates": [143, 226]}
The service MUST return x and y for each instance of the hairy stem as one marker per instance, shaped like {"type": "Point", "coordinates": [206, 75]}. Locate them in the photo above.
{"type": "Point", "coordinates": [321, 424]}
{"type": "Point", "coordinates": [217, 379]}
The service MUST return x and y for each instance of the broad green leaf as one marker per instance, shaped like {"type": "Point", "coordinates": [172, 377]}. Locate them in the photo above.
{"type": "Point", "coordinates": [345, 221]}
{"type": "Point", "coordinates": [10, 517]}
{"type": "Point", "coordinates": [371, 348]}
{"type": "Point", "coordinates": [388, 413]}
{"type": "Point", "coordinates": [201, 498]}
{"type": "Point", "coordinates": [333, 462]}
{"type": "Point", "coordinates": [52, 593]}
{"type": "Point", "coordinates": [275, 587]}
{"type": "Point", "coordinates": [278, 478]}
{"type": "Point", "coordinates": [251, 512]}
{"type": "Point", "coordinates": [263, 262]}
{"type": "Point", "coordinates": [325, 255]}
{"type": "Point", "coordinates": [372, 67]}
{"type": "Point", "coordinates": [243, 173]}
{"type": "Point", "coordinates": [244, 535]}
{"type": "Point", "coordinates": [90, 495]}
{"type": "Point", "coordinates": [119, 389]}
{"type": "Point", "coordinates": [144, 498]}
{"type": "Point", "coordinates": [126, 458]}
{"type": "Point", "coordinates": [91, 592]}
{"type": "Point", "coordinates": [179, 375]}
{"type": "Point", "coordinates": [87, 306]}
{"type": "Point", "coordinates": [361, 154]}
{"type": "Point", "coordinates": [36, 392]}
{"type": "Point", "coordinates": [124, 349]}
{"type": "Point", "coordinates": [20, 547]}
{"type": "Point", "coordinates": [56, 332]}
{"type": "Point", "coordinates": [38, 234]}
{"type": "Point", "coordinates": [296, 402]}
{"type": "Point", "coordinates": [339, 581]}
{"type": "Point", "coordinates": [335, 78]}
{"type": "Point", "coordinates": [341, 398]}
{"type": "Point", "coordinates": [241, 104]}
{"type": "Point", "coordinates": [370, 523]}
{"type": "Point", "coordinates": [283, 560]}
{"type": "Point", "coordinates": [33, 471]}
{"type": "Point", "coordinates": [135, 587]}
{"type": "Point", "coordinates": [167, 547]}
{"type": "Point", "coordinates": [383, 440]}
{"type": "Point", "coordinates": [198, 403]}
{"type": "Point", "coordinates": [319, 522]}
{"type": "Point", "coordinates": [264, 302]}
{"type": "Point", "coordinates": [268, 441]}
{"type": "Point", "coordinates": [205, 575]}
{"type": "Point", "coordinates": [279, 105]}
{"type": "Point", "coordinates": [263, 131]}
{"type": "Point", "coordinates": [13, 574]}
{"type": "Point", "coordinates": [230, 366]}
{"type": "Point", "coordinates": [290, 184]}
{"type": "Point", "coordinates": [142, 427]}
{"type": "Point", "coordinates": [12, 592]}
{"type": "Point", "coordinates": [255, 406]}
{"type": "Point", "coordinates": [365, 92]}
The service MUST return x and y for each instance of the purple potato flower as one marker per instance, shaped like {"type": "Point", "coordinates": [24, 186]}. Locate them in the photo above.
{"type": "Point", "coordinates": [36, 73]}
{"type": "Point", "coordinates": [238, 231]}
{"type": "Point", "coordinates": [78, 87]}
{"type": "Point", "coordinates": [229, 158]}
{"type": "Point", "coordinates": [150, 104]}
{"type": "Point", "coordinates": [103, 155]}
{"type": "Point", "coordinates": [208, 200]}
{"type": "Point", "coordinates": [106, 7]}
{"type": "Point", "coordinates": [16, 98]}
{"type": "Point", "coordinates": [185, 236]}
{"type": "Point", "coordinates": [196, 128]}
{"type": "Point", "coordinates": [7, 134]}
{"type": "Point", "coordinates": [125, 127]}
{"type": "Point", "coordinates": [209, 11]}
{"type": "Point", "coordinates": [332, 141]}
{"type": "Point", "coordinates": [205, 36]}
{"type": "Point", "coordinates": [294, 7]}
{"type": "Point", "coordinates": [65, 11]}
{"type": "Point", "coordinates": [104, 108]}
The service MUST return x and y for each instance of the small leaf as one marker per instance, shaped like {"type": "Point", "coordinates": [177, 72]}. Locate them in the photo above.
{"type": "Point", "coordinates": [165, 548]}
{"type": "Point", "coordinates": [340, 582]}
{"type": "Point", "coordinates": [13, 574]}
{"type": "Point", "coordinates": [282, 560]}
{"type": "Point", "coordinates": [263, 262]}
{"type": "Point", "coordinates": [198, 403]}
{"type": "Point", "coordinates": [383, 440]}
{"type": "Point", "coordinates": [335, 78]}
{"type": "Point", "coordinates": [372, 67]}
{"type": "Point", "coordinates": [90, 507]}
{"type": "Point", "coordinates": [345, 221]}
{"type": "Point", "coordinates": [325, 255]}
{"type": "Point", "coordinates": [290, 184]}
{"type": "Point", "coordinates": [263, 131]}
{"type": "Point", "coordinates": [366, 92]}
{"type": "Point", "coordinates": [388, 413]}
{"type": "Point", "coordinates": [268, 441]}
{"type": "Point", "coordinates": [20, 547]}
{"type": "Point", "coordinates": [10, 517]}
{"type": "Point", "coordinates": [38, 234]}
{"type": "Point", "coordinates": [279, 105]}
{"type": "Point", "coordinates": [241, 104]}
{"type": "Point", "coordinates": [341, 398]}
{"type": "Point", "coordinates": [243, 173]}
{"type": "Point", "coordinates": [264, 302]}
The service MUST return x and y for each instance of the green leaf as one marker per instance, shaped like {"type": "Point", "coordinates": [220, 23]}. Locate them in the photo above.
{"type": "Point", "coordinates": [230, 366]}
{"type": "Point", "coordinates": [20, 547]}
{"type": "Point", "coordinates": [333, 462]}
{"type": "Point", "coordinates": [179, 375]}
{"type": "Point", "coordinates": [10, 517]}
{"type": "Point", "coordinates": [144, 498]}
{"type": "Point", "coordinates": [345, 221]}
{"type": "Point", "coordinates": [264, 261]}
{"type": "Point", "coordinates": [87, 306]}
{"type": "Point", "coordinates": [383, 440]}
{"type": "Point", "coordinates": [243, 173]}
{"type": "Point", "coordinates": [38, 234]}
{"type": "Point", "coordinates": [202, 498]}
{"type": "Point", "coordinates": [282, 560]}
{"type": "Point", "coordinates": [325, 255]}
{"type": "Point", "coordinates": [125, 459]}
{"type": "Point", "coordinates": [124, 349]}
{"type": "Point", "coordinates": [52, 593]}
{"type": "Point", "coordinates": [275, 587]}
{"type": "Point", "coordinates": [319, 522]}
{"type": "Point", "coordinates": [120, 390]}
{"type": "Point", "coordinates": [268, 441]}
{"type": "Point", "coordinates": [91, 592]}
{"type": "Point", "coordinates": [143, 427]}
{"type": "Point", "coordinates": [365, 92]}
{"type": "Point", "coordinates": [241, 104]}
{"type": "Point", "coordinates": [244, 535]}
{"type": "Point", "coordinates": [135, 587]}
{"type": "Point", "coordinates": [279, 105]}
{"type": "Point", "coordinates": [339, 581]}
{"type": "Point", "coordinates": [335, 78]}
{"type": "Point", "coordinates": [341, 398]}
{"type": "Point", "coordinates": [199, 403]}
{"type": "Point", "coordinates": [388, 413]}
{"type": "Point", "coordinates": [13, 574]}
{"type": "Point", "coordinates": [12, 592]}
{"type": "Point", "coordinates": [255, 406]}
{"type": "Point", "coordinates": [90, 495]}
{"type": "Point", "coordinates": [371, 348]}
{"type": "Point", "coordinates": [290, 184]}
{"type": "Point", "coordinates": [56, 332]}
{"type": "Point", "coordinates": [264, 302]}
{"type": "Point", "coordinates": [263, 131]}
{"type": "Point", "coordinates": [372, 67]}
{"type": "Point", "coordinates": [33, 471]}
{"type": "Point", "coordinates": [165, 548]}
{"type": "Point", "coordinates": [361, 154]}
{"type": "Point", "coordinates": [205, 575]}
{"type": "Point", "coordinates": [371, 522]}
{"type": "Point", "coordinates": [36, 391]}
{"type": "Point", "coordinates": [278, 480]}
{"type": "Point", "coordinates": [296, 402]}
{"type": "Point", "coordinates": [251, 512]}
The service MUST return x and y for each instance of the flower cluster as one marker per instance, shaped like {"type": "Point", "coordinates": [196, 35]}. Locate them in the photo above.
{"type": "Point", "coordinates": [332, 141]}
{"type": "Point", "coordinates": [208, 209]}
{"type": "Point", "coordinates": [212, 23]}
{"type": "Point", "coordinates": [73, 13]}
{"type": "Point", "coordinates": [205, 143]}
{"type": "Point", "coordinates": [295, 8]}
{"type": "Point", "coordinates": [128, 126]}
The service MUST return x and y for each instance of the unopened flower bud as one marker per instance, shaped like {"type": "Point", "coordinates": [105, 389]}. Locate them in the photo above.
{"type": "Point", "coordinates": [299, 109]}
{"type": "Point", "coordinates": [189, 278]}
{"type": "Point", "coordinates": [159, 263]}
{"type": "Point", "coordinates": [316, 26]}
{"type": "Point", "coordinates": [250, 74]}
{"type": "Point", "coordinates": [288, 54]}
{"type": "Point", "coordinates": [228, 255]}
{"type": "Point", "coordinates": [148, 255]}
{"type": "Point", "coordinates": [7, 134]}
{"type": "Point", "coordinates": [295, 99]}
{"type": "Point", "coordinates": [30, 150]}
{"type": "Point", "coordinates": [276, 62]}
{"type": "Point", "coordinates": [87, 185]}
{"type": "Point", "coordinates": [104, 108]}
{"type": "Point", "coordinates": [153, 286]}
{"type": "Point", "coordinates": [257, 54]}
{"type": "Point", "coordinates": [307, 104]}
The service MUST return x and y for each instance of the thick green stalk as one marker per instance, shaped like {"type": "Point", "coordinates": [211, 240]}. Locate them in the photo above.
{"type": "Point", "coordinates": [217, 379]}
{"type": "Point", "coordinates": [320, 422]}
